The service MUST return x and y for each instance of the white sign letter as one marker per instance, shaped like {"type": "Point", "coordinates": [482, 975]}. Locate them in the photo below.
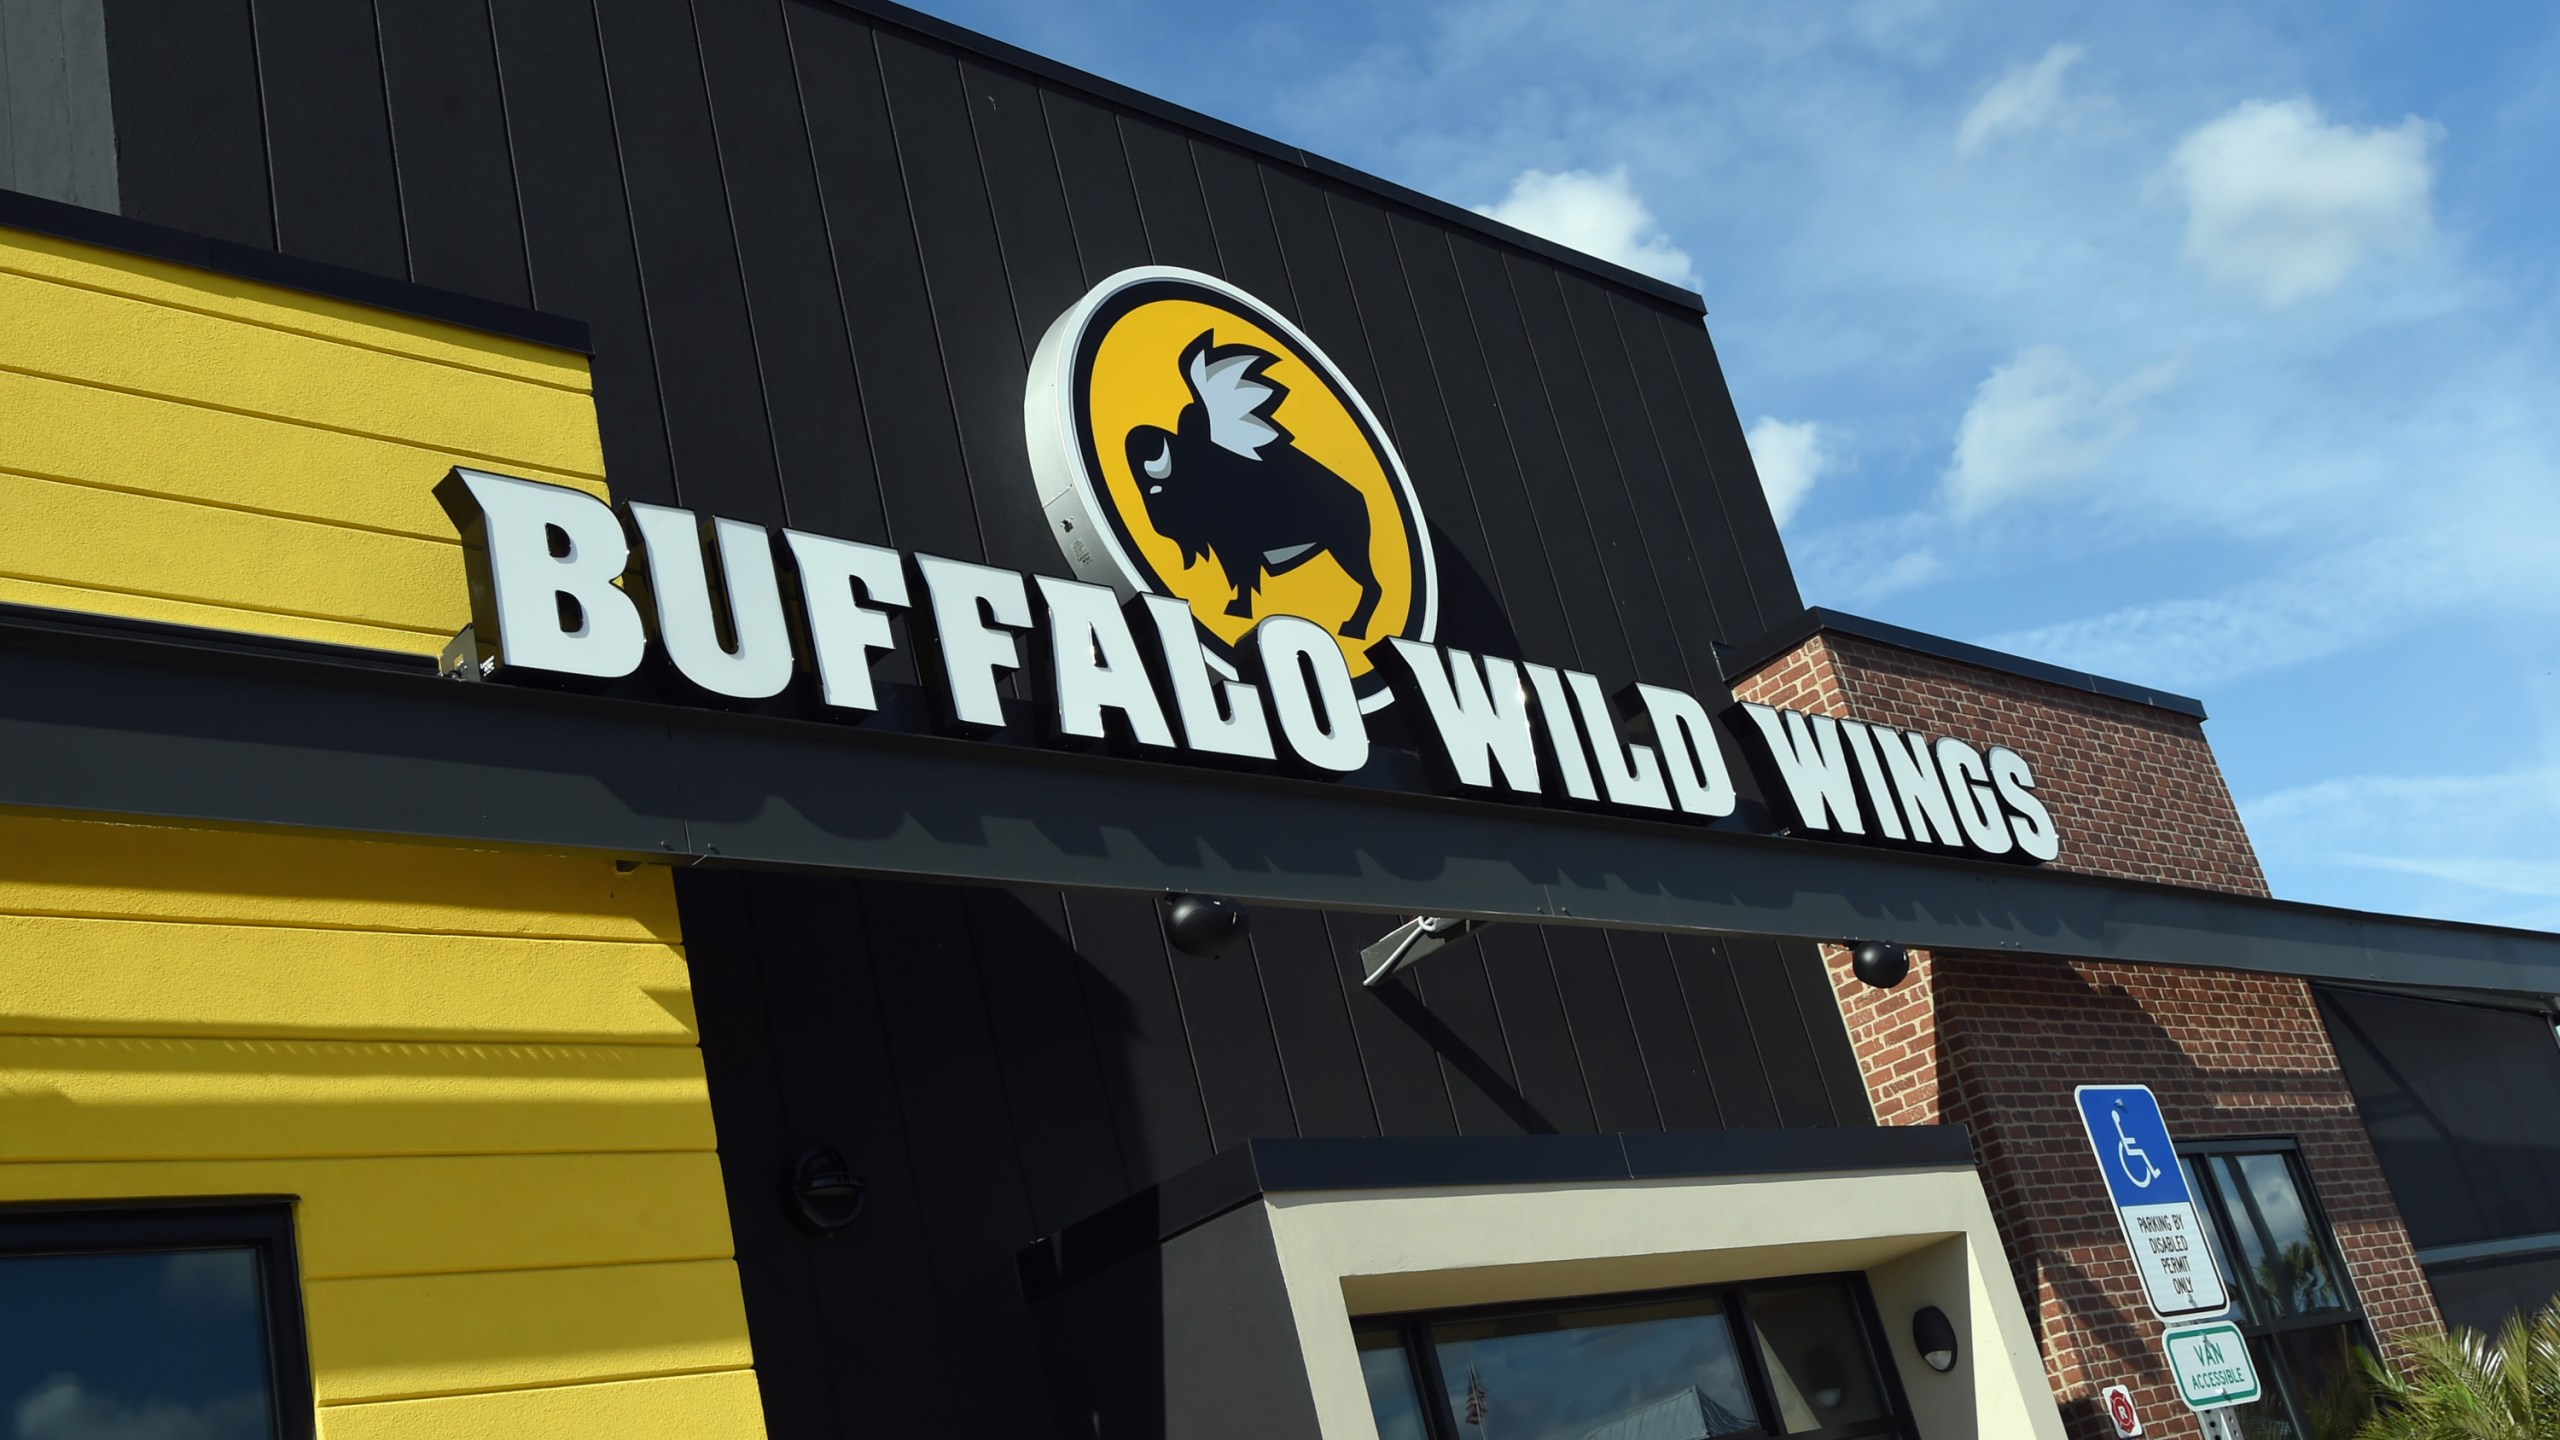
{"type": "Point", "coordinates": [679, 584]}
{"type": "Point", "coordinates": [542, 562]}
{"type": "Point", "coordinates": [976, 609]}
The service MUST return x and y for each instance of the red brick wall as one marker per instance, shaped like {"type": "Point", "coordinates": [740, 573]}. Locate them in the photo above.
{"type": "Point", "coordinates": [1997, 1043]}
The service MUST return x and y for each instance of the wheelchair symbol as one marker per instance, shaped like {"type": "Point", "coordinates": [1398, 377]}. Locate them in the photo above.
{"type": "Point", "coordinates": [2129, 1153]}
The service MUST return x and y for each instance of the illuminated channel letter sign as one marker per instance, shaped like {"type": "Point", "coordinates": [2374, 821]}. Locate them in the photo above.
{"type": "Point", "coordinates": [1253, 579]}
{"type": "Point", "coordinates": [2152, 1202]}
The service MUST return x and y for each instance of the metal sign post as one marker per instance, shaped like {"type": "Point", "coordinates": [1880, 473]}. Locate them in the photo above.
{"type": "Point", "coordinates": [2152, 1202]}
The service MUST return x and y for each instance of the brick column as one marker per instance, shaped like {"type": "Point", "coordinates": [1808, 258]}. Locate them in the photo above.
{"type": "Point", "coordinates": [1997, 1042]}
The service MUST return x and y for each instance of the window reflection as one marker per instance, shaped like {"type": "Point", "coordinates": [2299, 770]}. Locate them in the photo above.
{"type": "Point", "coordinates": [1626, 1372]}
{"type": "Point", "coordinates": [1393, 1399]}
{"type": "Point", "coordinates": [108, 1346]}
{"type": "Point", "coordinates": [2284, 1262]}
{"type": "Point", "coordinates": [1812, 1342]}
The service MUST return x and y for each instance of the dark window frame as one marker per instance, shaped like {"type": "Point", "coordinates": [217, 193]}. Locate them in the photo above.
{"type": "Point", "coordinates": [261, 1223]}
{"type": "Point", "coordinates": [1422, 1359]}
{"type": "Point", "coordinates": [2266, 1333]}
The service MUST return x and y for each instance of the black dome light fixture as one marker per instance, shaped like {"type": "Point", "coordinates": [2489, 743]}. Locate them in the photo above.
{"type": "Point", "coordinates": [1934, 1336]}
{"type": "Point", "coordinates": [824, 1190]}
{"type": "Point", "coordinates": [1880, 963]}
{"type": "Point", "coordinates": [1205, 926]}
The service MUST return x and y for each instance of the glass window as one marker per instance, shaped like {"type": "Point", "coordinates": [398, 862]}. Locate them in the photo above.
{"type": "Point", "coordinates": [2288, 1289]}
{"type": "Point", "coordinates": [1795, 1358]}
{"type": "Point", "coordinates": [105, 1335]}
{"type": "Point", "coordinates": [1392, 1396]}
{"type": "Point", "coordinates": [1813, 1346]}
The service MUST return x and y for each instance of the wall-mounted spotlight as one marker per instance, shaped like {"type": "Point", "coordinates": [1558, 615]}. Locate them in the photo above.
{"type": "Point", "coordinates": [1880, 963]}
{"type": "Point", "coordinates": [1934, 1336]}
{"type": "Point", "coordinates": [1205, 926]}
{"type": "Point", "coordinates": [825, 1191]}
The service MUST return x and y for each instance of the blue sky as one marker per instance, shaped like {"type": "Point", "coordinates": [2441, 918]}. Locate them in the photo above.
{"type": "Point", "coordinates": [2211, 347]}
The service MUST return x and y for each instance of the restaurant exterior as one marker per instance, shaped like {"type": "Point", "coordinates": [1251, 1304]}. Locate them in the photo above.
{"type": "Point", "coordinates": [756, 718]}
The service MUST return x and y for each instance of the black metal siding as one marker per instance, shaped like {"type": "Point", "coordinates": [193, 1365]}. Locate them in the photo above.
{"type": "Point", "coordinates": [1000, 1064]}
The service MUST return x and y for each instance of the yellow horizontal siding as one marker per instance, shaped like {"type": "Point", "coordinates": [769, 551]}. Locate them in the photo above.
{"type": "Point", "coordinates": [137, 977]}
{"type": "Point", "coordinates": [714, 1406]}
{"type": "Point", "coordinates": [58, 866]}
{"type": "Point", "coordinates": [187, 288]}
{"type": "Point", "coordinates": [425, 1215]}
{"type": "Point", "coordinates": [162, 610]}
{"type": "Point", "coordinates": [81, 1098]}
{"type": "Point", "coordinates": [98, 338]}
{"type": "Point", "coordinates": [508, 1330]}
{"type": "Point", "coordinates": [198, 449]}
{"type": "Point", "coordinates": [115, 541]}
{"type": "Point", "coordinates": [149, 445]}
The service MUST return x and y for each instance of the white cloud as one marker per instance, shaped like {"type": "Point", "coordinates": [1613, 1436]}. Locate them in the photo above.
{"type": "Point", "coordinates": [63, 1409]}
{"type": "Point", "coordinates": [2020, 100]}
{"type": "Point", "coordinates": [1790, 456]}
{"type": "Point", "coordinates": [2037, 420]}
{"type": "Point", "coordinates": [2484, 844]}
{"type": "Point", "coordinates": [2287, 204]}
{"type": "Point", "coordinates": [1596, 214]}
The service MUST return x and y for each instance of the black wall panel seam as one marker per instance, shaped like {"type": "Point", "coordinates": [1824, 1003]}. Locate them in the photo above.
{"type": "Point", "coordinates": [1716, 485]}
{"type": "Point", "coordinates": [1657, 613]}
{"type": "Point", "coordinates": [639, 271]}
{"type": "Point", "coordinates": [1529, 570]}
{"type": "Point", "coordinates": [399, 200]}
{"type": "Point", "coordinates": [746, 299]}
{"type": "Point", "coordinates": [1717, 550]}
{"type": "Point", "coordinates": [1689, 1018]}
{"type": "Point", "coordinates": [1546, 555]}
{"type": "Point", "coordinates": [1731, 487]}
{"type": "Point", "coordinates": [1121, 1143]}
{"type": "Point", "coordinates": [1681, 640]}
{"type": "Point", "coordinates": [1475, 514]}
{"type": "Point", "coordinates": [942, 357]}
{"type": "Point", "coordinates": [515, 179]}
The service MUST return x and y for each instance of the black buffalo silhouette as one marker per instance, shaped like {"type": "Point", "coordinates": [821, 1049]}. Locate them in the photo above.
{"type": "Point", "coordinates": [1229, 480]}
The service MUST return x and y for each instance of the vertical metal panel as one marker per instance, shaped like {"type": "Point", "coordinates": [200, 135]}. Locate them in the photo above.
{"type": "Point", "coordinates": [972, 308]}
{"type": "Point", "coordinates": [449, 144]}
{"type": "Point", "coordinates": [1240, 219]}
{"type": "Point", "coordinates": [1688, 602]}
{"type": "Point", "coordinates": [1604, 1033]}
{"type": "Point", "coordinates": [1692, 478]}
{"type": "Point", "coordinates": [1725, 1034]}
{"type": "Point", "coordinates": [968, 1176]}
{"type": "Point", "coordinates": [1583, 578]}
{"type": "Point", "coordinates": [1453, 354]}
{"type": "Point", "coordinates": [1458, 1016]}
{"type": "Point", "coordinates": [1795, 1080]}
{"type": "Point", "coordinates": [1169, 200]}
{"type": "Point", "coordinates": [1674, 1063]}
{"type": "Point", "coordinates": [1328, 1088]}
{"type": "Point", "coordinates": [1140, 1035]}
{"type": "Point", "coordinates": [814, 409]}
{"type": "Point", "coordinates": [577, 224]}
{"type": "Point", "coordinates": [1404, 1074]}
{"type": "Point", "coordinates": [1032, 978]}
{"type": "Point", "coordinates": [1746, 509]}
{"type": "Point", "coordinates": [1093, 170]}
{"type": "Point", "coordinates": [337, 193]}
{"type": "Point", "coordinates": [190, 135]}
{"type": "Point", "coordinates": [708, 382]}
{"type": "Point", "coordinates": [880, 284]}
{"type": "Point", "coordinates": [1533, 1022]}
{"type": "Point", "coordinates": [1023, 190]}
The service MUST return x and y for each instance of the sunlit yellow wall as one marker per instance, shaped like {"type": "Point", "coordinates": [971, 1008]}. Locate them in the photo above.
{"type": "Point", "coordinates": [478, 1070]}
{"type": "Point", "coordinates": [186, 446]}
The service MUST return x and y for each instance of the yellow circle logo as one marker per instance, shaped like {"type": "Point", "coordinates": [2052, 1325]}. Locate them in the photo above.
{"type": "Point", "coordinates": [1190, 441]}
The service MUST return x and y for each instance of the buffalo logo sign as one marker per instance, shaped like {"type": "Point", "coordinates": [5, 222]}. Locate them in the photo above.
{"type": "Point", "coordinates": [1189, 441]}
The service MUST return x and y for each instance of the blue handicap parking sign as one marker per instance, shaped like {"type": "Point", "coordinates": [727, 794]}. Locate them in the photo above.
{"type": "Point", "coordinates": [2158, 1215]}
{"type": "Point", "coordinates": [2133, 1146]}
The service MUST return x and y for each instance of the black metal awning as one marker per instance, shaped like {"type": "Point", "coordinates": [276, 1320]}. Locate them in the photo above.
{"type": "Point", "coordinates": [151, 721]}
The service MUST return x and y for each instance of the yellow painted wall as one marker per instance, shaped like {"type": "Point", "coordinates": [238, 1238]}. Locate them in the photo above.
{"type": "Point", "coordinates": [190, 447]}
{"type": "Point", "coordinates": [478, 1070]}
